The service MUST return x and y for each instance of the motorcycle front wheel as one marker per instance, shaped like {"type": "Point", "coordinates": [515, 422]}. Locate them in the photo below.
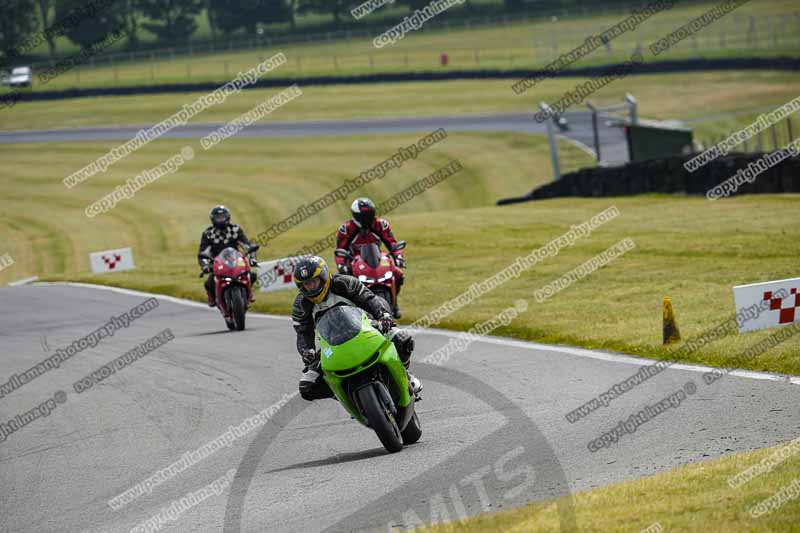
{"type": "Point", "coordinates": [237, 304]}
{"type": "Point", "coordinates": [385, 294]}
{"type": "Point", "coordinates": [413, 430]}
{"type": "Point", "coordinates": [380, 419]}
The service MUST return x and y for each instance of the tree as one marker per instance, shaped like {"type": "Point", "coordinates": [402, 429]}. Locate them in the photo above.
{"type": "Point", "coordinates": [419, 4]}
{"type": "Point", "coordinates": [291, 6]}
{"type": "Point", "coordinates": [130, 14]}
{"type": "Point", "coordinates": [272, 11]}
{"type": "Point", "coordinates": [44, 11]}
{"type": "Point", "coordinates": [513, 5]}
{"type": "Point", "coordinates": [332, 7]}
{"type": "Point", "coordinates": [175, 18]}
{"type": "Point", "coordinates": [88, 30]}
{"type": "Point", "coordinates": [233, 15]}
{"type": "Point", "coordinates": [415, 4]}
{"type": "Point", "coordinates": [212, 24]}
{"type": "Point", "coordinates": [16, 25]}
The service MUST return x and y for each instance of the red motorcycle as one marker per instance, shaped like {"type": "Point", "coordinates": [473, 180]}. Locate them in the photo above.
{"type": "Point", "coordinates": [233, 282]}
{"type": "Point", "coordinates": [376, 270]}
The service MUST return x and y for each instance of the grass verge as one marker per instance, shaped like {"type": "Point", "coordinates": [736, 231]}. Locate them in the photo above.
{"type": "Point", "coordinates": [695, 497]}
{"type": "Point", "coordinates": [688, 248]}
{"type": "Point", "coordinates": [690, 96]}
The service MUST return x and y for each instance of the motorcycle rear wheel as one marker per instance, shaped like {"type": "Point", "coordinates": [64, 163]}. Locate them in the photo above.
{"type": "Point", "coordinates": [380, 419]}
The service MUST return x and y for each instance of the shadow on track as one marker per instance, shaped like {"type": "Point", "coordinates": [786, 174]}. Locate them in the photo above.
{"type": "Point", "coordinates": [335, 459]}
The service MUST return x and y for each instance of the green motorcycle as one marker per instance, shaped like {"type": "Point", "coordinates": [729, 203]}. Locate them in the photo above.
{"type": "Point", "coordinates": [361, 366]}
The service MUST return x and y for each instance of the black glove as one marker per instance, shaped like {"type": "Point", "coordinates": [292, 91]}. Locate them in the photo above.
{"type": "Point", "coordinates": [385, 323]}
{"type": "Point", "coordinates": [309, 356]}
{"type": "Point", "coordinates": [206, 266]}
{"type": "Point", "coordinates": [399, 261]}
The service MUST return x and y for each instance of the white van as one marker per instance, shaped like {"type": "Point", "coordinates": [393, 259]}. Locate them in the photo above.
{"type": "Point", "coordinates": [21, 77]}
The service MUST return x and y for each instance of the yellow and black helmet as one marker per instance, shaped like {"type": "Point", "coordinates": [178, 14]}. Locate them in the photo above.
{"type": "Point", "coordinates": [312, 278]}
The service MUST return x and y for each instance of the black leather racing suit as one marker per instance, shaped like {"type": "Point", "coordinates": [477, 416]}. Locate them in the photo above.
{"type": "Point", "coordinates": [214, 240]}
{"type": "Point", "coordinates": [348, 290]}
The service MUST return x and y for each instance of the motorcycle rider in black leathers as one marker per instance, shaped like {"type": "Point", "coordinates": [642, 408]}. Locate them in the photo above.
{"type": "Point", "coordinates": [319, 291]}
{"type": "Point", "coordinates": [219, 235]}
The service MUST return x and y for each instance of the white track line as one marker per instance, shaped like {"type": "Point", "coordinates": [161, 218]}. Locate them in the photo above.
{"type": "Point", "coordinates": [131, 292]}
{"type": "Point", "coordinates": [501, 341]}
{"type": "Point", "coordinates": [23, 281]}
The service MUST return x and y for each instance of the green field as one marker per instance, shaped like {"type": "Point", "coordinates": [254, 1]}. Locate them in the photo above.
{"type": "Point", "coordinates": [695, 497]}
{"type": "Point", "coordinates": [526, 44]}
{"type": "Point", "coordinates": [264, 180]}
{"type": "Point", "coordinates": [686, 247]}
{"type": "Point", "coordinates": [261, 180]}
{"type": "Point", "coordinates": [688, 97]}
{"type": "Point", "coordinates": [619, 307]}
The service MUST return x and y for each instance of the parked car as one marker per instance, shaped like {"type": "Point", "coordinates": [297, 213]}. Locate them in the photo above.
{"type": "Point", "coordinates": [21, 77]}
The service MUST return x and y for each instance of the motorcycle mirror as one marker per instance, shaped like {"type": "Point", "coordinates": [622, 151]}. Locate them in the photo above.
{"type": "Point", "coordinates": [399, 246]}
{"type": "Point", "coordinates": [253, 248]}
{"type": "Point", "coordinates": [340, 252]}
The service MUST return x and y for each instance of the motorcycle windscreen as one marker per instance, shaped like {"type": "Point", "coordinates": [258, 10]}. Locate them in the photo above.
{"type": "Point", "coordinates": [371, 255]}
{"type": "Point", "coordinates": [339, 324]}
{"type": "Point", "coordinates": [229, 257]}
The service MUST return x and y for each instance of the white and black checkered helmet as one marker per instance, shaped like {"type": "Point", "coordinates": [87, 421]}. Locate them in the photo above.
{"type": "Point", "coordinates": [220, 217]}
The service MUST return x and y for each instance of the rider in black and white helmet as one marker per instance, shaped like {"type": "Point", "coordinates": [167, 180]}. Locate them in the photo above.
{"type": "Point", "coordinates": [219, 235]}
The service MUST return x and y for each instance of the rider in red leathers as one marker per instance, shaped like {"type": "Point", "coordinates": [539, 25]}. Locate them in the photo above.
{"type": "Point", "coordinates": [365, 228]}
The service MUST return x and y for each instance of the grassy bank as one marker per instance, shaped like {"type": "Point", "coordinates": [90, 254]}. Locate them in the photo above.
{"type": "Point", "coordinates": [690, 498]}
{"type": "Point", "coordinates": [687, 248]}
{"type": "Point", "coordinates": [669, 96]}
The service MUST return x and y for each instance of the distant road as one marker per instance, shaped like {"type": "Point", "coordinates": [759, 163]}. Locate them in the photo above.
{"type": "Point", "coordinates": [613, 141]}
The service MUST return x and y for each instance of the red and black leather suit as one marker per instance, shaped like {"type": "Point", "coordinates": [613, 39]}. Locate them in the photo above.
{"type": "Point", "coordinates": [351, 237]}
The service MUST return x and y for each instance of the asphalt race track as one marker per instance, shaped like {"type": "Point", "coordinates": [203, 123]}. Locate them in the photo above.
{"type": "Point", "coordinates": [493, 417]}
{"type": "Point", "coordinates": [580, 130]}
